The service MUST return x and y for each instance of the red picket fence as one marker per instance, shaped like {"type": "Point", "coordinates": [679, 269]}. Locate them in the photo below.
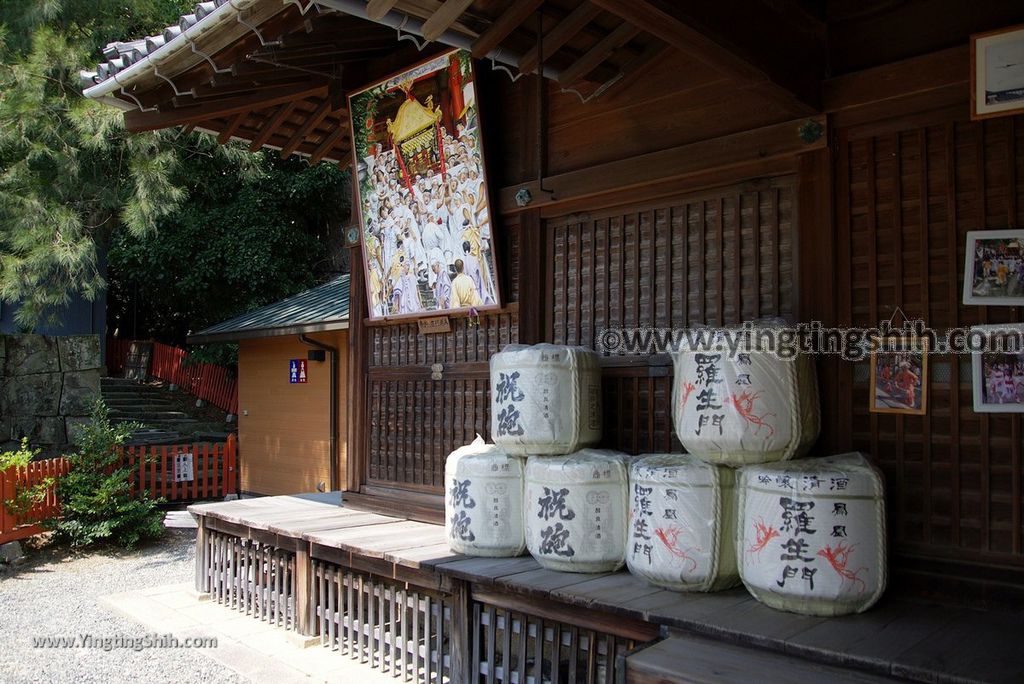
{"type": "Point", "coordinates": [213, 475]}
{"type": "Point", "coordinates": [14, 527]}
{"type": "Point", "coordinates": [206, 381]}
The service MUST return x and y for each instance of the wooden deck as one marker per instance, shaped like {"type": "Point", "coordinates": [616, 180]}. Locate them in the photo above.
{"type": "Point", "coordinates": [898, 638]}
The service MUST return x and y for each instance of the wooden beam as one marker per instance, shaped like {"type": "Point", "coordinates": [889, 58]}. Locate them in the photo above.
{"type": "Point", "coordinates": [446, 15]}
{"type": "Point", "coordinates": [501, 27]}
{"type": "Point", "coordinates": [560, 35]}
{"type": "Point", "coordinates": [739, 149]}
{"type": "Point", "coordinates": [311, 122]}
{"type": "Point", "coordinates": [137, 121]}
{"type": "Point", "coordinates": [666, 23]}
{"type": "Point", "coordinates": [325, 146]}
{"type": "Point", "coordinates": [622, 34]}
{"type": "Point", "coordinates": [236, 121]}
{"type": "Point", "coordinates": [271, 125]}
{"type": "Point", "coordinates": [376, 9]}
{"type": "Point", "coordinates": [914, 76]}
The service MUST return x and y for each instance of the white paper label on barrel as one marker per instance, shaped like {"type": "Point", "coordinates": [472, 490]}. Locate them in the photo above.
{"type": "Point", "coordinates": [813, 535]}
{"type": "Point", "coordinates": [744, 407]}
{"type": "Point", "coordinates": [576, 511]}
{"type": "Point", "coordinates": [681, 523]}
{"type": "Point", "coordinates": [484, 501]}
{"type": "Point", "coordinates": [545, 399]}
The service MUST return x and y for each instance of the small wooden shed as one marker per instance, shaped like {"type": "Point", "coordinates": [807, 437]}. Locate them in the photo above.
{"type": "Point", "coordinates": [292, 374]}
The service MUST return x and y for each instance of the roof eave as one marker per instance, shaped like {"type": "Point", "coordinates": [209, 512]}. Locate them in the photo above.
{"type": "Point", "coordinates": [261, 333]}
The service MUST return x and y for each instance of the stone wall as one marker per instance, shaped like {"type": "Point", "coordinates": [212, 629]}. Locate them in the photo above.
{"type": "Point", "coordinates": [47, 385]}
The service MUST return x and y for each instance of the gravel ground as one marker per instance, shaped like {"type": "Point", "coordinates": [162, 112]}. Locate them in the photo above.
{"type": "Point", "coordinates": [55, 593]}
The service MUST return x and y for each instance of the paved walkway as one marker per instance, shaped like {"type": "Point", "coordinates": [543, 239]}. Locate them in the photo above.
{"type": "Point", "coordinates": [254, 649]}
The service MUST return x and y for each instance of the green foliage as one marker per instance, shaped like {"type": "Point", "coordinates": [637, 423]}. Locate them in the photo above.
{"type": "Point", "coordinates": [24, 497]}
{"type": "Point", "coordinates": [97, 505]}
{"type": "Point", "coordinates": [239, 243]}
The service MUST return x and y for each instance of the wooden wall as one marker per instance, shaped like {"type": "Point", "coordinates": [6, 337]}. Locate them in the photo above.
{"type": "Point", "coordinates": [906, 193]}
{"type": "Point", "coordinates": [717, 257]}
{"type": "Point", "coordinates": [284, 429]}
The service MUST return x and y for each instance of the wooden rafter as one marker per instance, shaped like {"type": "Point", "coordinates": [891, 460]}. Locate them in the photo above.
{"type": "Point", "coordinates": [560, 35]}
{"type": "Point", "coordinates": [666, 22]}
{"type": "Point", "coordinates": [311, 122]}
{"type": "Point", "coordinates": [229, 131]}
{"type": "Point", "coordinates": [376, 9]}
{"type": "Point", "coordinates": [501, 27]}
{"type": "Point", "coordinates": [622, 34]}
{"type": "Point", "coordinates": [136, 121]}
{"type": "Point", "coordinates": [271, 125]}
{"type": "Point", "coordinates": [446, 15]}
{"type": "Point", "coordinates": [328, 143]}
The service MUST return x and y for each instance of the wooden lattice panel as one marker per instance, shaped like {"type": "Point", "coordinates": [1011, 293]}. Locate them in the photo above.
{"type": "Point", "coordinates": [253, 578]}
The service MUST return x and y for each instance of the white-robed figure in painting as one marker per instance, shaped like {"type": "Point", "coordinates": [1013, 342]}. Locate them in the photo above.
{"type": "Point", "coordinates": [422, 193]}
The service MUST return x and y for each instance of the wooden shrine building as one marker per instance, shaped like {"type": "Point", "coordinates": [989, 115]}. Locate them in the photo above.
{"type": "Point", "coordinates": [679, 164]}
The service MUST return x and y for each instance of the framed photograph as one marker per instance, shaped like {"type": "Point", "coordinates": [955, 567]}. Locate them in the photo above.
{"type": "Point", "coordinates": [998, 375]}
{"type": "Point", "coordinates": [992, 268]}
{"type": "Point", "coordinates": [899, 375]}
{"type": "Point", "coordinates": [422, 201]}
{"type": "Point", "coordinates": [997, 73]}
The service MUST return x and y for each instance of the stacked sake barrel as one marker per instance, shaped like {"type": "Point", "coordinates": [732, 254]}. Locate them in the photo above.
{"type": "Point", "coordinates": [682, 523]}
{"type": "Point", "coordinates": [752, 406]}
{"type": "Point", "coordinates": [484, 500]}
{"type": "Point", "coordinates": [812, 538]}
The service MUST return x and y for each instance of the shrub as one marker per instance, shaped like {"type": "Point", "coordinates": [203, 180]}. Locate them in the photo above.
{"type": "Point", "coordinates": [97, 504]}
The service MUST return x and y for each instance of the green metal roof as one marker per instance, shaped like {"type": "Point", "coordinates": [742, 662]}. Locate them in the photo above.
{"type": "Point", "coordinates": [324, 307]}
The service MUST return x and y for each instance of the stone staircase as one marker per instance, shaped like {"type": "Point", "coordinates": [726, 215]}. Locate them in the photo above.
{"type": "Point", "coordinates": [130, 401]}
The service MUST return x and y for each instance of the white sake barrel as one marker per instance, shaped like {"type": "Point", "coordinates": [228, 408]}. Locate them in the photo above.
{"type": "Point", "coordinates": [483, 501]}
{"type": "Point", "coordinates": [576, 508]}
{"type": "Point", "coordinates": [749, 407]}
{"type": "Point", "coordinates": [682, 515]}
{"type": "Point", "coordinates": [545, 399]}
{"type": "Point", "coordinates": [812, 534]}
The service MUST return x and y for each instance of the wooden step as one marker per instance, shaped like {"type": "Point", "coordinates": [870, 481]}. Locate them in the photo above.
{"type": "Point", "coordinates": [684, 658]}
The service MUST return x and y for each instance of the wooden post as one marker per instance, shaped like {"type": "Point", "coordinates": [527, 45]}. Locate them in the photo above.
{"type": "Point", "coordinates": [202, 556]}
{"type": "Point", "coordinates": [303, 590]}
{"type": "Point", "coordinates": [460, 646]}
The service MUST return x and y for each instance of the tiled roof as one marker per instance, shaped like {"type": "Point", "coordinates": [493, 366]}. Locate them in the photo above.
{"type": "Point", "coordinates": [122, 54]}
{"type": "Point", "coordinates": [324, 307]}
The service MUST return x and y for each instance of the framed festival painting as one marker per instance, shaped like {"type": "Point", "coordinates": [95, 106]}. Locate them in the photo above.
{"type": "Point", "coordinates": [899, 375]}
{"type": "Point", "coordinates": [421, 192]}
{"type": "Point", "coordinates": [992, 268]}
{"type": "Point", "coordinates": [998, 368]}
{"type": "Point", "coordinates": [997, 73]}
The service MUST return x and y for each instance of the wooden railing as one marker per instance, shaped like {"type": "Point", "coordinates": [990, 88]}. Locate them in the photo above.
{"type": "Point", "coordinates": [205, 381]}
{"type": "Point", "coordinates": [210, 473]}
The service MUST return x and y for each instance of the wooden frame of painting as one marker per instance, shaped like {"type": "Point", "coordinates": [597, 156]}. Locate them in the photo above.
{"type": "Point", "coordinates": [899, 375]}
{"type": "Point", "coordinates": [997, 72]}
{"type": "Point", "coordinates": [998, 376]}
{"type": "Point", "coordinates": [421, 192]}
{"type": "Point", "coordinates": [994, 268]}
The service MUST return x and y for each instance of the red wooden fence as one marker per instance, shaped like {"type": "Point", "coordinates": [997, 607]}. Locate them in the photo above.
{"type": "Point", "coordinates": [213, 476]}
{"type": "Point", "coordinates": [206, 381]}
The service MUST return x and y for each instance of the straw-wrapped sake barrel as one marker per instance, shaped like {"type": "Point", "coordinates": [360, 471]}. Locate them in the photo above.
{"type": "Point", "coordinates": [545, 399]}
{"type": "Point", "coordinates": [751, 406]}
{"type": "Point", "coordinates": [812, 534]}
{"type": "Point", "coordinates": [484, 500]}
{"type": "Point", "coordinates": [682, 516]}
{"type": "Point", "coordinates": [576, 509]}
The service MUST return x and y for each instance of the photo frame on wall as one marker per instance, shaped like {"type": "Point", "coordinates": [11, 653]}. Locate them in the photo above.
{"type": "Point", "coordinates": [421, 192]}
{"type": "Point", "coordinates": [994, 268]}
{"type": "Point", "coordinates": [997, 73]}
{"type": "Point", "coordinates": [899, 375]}
{"type": "Point", "coordinates": [998, 375]}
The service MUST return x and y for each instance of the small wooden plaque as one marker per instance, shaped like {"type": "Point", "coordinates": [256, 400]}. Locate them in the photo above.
{"type": "Point", "coordinates": [438, 324]}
